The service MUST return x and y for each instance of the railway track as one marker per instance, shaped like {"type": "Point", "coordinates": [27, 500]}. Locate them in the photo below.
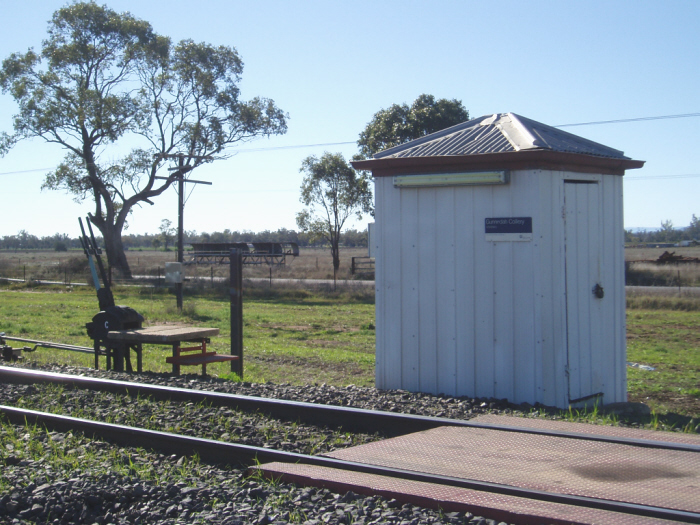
{"type": "Point", "coordinates": [349, 418]}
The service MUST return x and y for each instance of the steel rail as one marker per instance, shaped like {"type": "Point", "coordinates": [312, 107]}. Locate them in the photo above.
{"type": "Point", "coordinates": [49, 344]}
{"type": "Point", "coordinates": [352, 419]}
{"type": "Point", "coordinates": [220, 452]}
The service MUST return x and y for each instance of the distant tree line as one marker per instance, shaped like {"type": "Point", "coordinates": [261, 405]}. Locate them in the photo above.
{"type": "Point", "coordinates": [26, 241]}
{"type": "Point", "coordinates": [666, 233]}
{"type": "Point", "coordinates": [62, 242]}
{"type": "Point", "coordinates": [349, 238]}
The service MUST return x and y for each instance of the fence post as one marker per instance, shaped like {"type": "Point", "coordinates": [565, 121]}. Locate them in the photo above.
{"type": "Point", "coordinates": [236, 293]}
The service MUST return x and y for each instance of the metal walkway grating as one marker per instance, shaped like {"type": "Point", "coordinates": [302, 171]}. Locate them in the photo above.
{"type": "Point", "coordinates": [625, 473]}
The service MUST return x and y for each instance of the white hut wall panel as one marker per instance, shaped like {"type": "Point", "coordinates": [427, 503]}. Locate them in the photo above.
{"type": "Point", "coordinates": [446, 322]}
{"type": "Point", "coordinates": [614, 274]}
{"type": "Point", "coordinates": [464, 269]}
{"type": "Point", "coordinates": [550, 304]}
{"type": "Point", "coordinates": [612, 280]}
{"type": "Point", "coordinates": [450, 304]}
{"type": "Point", "coordinates": [388, 277]}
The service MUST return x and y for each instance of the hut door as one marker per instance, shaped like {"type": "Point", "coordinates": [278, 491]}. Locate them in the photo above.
{"type": "Point", "coordinates": [585, 293]}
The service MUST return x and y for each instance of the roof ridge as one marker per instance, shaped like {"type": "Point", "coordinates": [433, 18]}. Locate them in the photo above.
{"type": "Point", "coordinates": [577, 138]}
{"type": "Point", "coordinates": [516, 132]}
{"type": "Point", "coordinates": [501, 132]}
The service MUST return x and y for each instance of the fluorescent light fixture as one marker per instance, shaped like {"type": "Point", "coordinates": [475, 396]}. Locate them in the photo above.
{"type": "Point", "coordinates": [451, 179]}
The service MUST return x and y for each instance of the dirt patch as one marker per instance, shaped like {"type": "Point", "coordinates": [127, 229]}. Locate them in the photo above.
{"type": "Point", "coordinates": [670, 402]}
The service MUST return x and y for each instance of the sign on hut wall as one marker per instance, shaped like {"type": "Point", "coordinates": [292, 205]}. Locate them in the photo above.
{"type": "Point", "coordinates": [508, 228]}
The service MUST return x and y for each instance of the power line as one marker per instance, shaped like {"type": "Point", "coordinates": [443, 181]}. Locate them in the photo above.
{"type": "Point", "coordinates": [24, 171]}
{"type": "Point", "coordinates": [638, 119]}
{"type": "Point", "coordinates": [295, 146]}
{"type": "Point", "coordinates": [299, 146]}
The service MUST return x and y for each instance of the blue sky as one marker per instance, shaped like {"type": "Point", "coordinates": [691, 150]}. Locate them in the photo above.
{"type": "Point", "coordinates": [331, 65]}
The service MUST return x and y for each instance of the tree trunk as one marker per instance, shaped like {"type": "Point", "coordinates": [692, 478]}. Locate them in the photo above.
{"type": "Point", "coordinates": [335, 253]}
{"type": "Point", "coordinates": [116, 257]}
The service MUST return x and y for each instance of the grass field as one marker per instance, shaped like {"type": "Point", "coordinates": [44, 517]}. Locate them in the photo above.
{"type": "Point", "coordinates": [299, 337]}
{"type": "Point", "coordinates": [294, 337]}
{"type": "Point", "coordinates": [72, 266]}
{"type": "Point", "coordinates": [669, 341]}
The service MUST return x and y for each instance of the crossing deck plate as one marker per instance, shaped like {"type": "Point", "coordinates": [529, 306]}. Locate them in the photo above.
{"type": "Point", "coordinates": [625, 473]}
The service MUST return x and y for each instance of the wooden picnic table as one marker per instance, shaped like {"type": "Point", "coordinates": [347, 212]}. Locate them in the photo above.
{"type": "Point", "coordinates": [165, 335]}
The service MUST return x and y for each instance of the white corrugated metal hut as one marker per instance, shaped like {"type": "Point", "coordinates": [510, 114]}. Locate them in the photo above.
{"type": "Point", "coordinates": [499, 264]}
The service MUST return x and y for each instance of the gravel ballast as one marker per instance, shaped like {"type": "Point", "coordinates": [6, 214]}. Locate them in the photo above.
{"type": "Point", "coordinates": [50, 477]}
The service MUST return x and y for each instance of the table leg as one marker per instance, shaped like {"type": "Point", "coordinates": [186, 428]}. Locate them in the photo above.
{"type": "Point", "coordinates": [139, 358]}
{"type": "Point", "coordinates": [118, 357]}
{"type": "Point", "coordinates": [127, 357]}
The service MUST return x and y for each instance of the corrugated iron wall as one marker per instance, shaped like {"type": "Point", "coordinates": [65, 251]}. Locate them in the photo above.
{"type": "Point", "coordinates": [459, 315]}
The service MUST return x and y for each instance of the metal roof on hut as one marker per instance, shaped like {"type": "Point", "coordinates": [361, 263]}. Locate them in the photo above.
{"type": "Point", "coordinates": [502, 138]}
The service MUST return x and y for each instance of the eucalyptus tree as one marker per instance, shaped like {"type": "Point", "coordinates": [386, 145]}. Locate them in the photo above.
{"type": "Point", "coordinates": [123, 102]}
{"type": "Point", "coordinates": [401, 123]}
{"type": "Point", "coordinates": [333, 192]}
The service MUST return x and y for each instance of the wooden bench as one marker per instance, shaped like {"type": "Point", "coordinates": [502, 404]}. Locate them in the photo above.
{"type": "Point", "coordinates": [174, 336]}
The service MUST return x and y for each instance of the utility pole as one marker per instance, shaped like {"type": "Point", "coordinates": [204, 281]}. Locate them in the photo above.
{"type": "Point", "coordinates": [180, 177]}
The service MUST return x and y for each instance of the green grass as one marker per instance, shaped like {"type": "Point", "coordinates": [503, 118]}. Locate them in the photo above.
{"type": "Point", "coordinates": [668, 340]}
{"type": "Point", "coordinates": [295, 337]}
{"type": "Point", "coordinates": [63, 455]}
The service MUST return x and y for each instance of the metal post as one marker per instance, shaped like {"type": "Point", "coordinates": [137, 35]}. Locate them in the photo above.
{"type": "Point", "coordinates": [180, 177]}
{"type": "Point", "coordinates": [180, 225]}
{"type": "Point", "coordinates": [236, 291]}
